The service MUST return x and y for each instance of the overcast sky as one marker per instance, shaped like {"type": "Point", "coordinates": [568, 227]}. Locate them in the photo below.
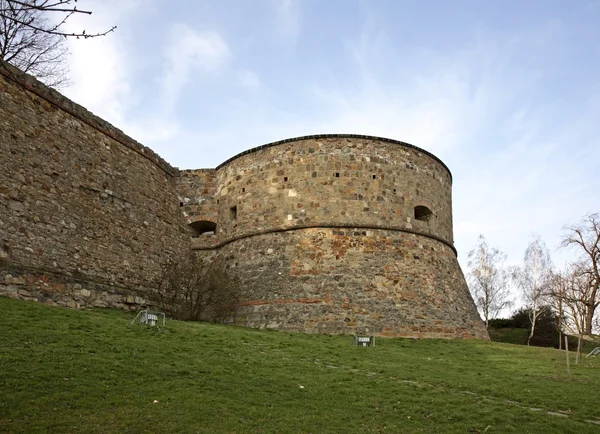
{"type": "Point", "coordinates": [506, 93]}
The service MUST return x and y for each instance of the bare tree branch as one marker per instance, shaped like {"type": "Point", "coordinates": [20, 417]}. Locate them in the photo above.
{"type": "Point", "coordinates": [21, 11]}
{"type": "Point", "coordinates": [190, 290]}
{"type": "Point", "coordinates": [585, 239]}
{"type": "Point", "coordinates": [32, 43]}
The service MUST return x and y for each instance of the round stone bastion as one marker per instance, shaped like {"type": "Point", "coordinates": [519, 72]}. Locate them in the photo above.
{"type": "Point", "coordinates": [335, 233]}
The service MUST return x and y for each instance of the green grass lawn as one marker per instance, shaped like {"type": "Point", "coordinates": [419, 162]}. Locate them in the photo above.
{"type": "Point", "coordinates": [516, 336]}
{"type": "Point", "coordinates": [89, 371]}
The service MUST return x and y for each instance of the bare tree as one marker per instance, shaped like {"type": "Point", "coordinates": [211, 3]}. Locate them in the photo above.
{"type": "Point", "coordinates": [191, 290]}
{"type": "Point", "coordinates": [488, 280]}
{"type": "Point", "coordinates": [533, 280]}
{"type": "Point", "coordinates": [62, 9]}
{"type": "Point", "coordinates": [576, 290]}
{"type": "Point", "coordinates": [38, 54]}
{"type": "Point", "coordinates": [33, 43]}
{"type": "Point", "coordinates": [585, 238]}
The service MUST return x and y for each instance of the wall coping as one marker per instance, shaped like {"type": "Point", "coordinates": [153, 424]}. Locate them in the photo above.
{"type": "Point", "coordinates": [31, 84]}
{"type": "Point", "coordinates": [192, 171]}
{"type": "Point", "coordinates": [336, 136]}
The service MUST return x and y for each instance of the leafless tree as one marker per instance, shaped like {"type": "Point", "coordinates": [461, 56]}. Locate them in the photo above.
{"type": "Point", "coordinates": [488, 280]}
{"type": "Point", "coordinates": [585, 238]}
{"type": "Point", "coordinates": [568, 292]}
{"type": "Point", "coordinates": [17, 11]}
{"type": "Point", "coordinates": [533, 280]}
{"type": "Point", "coordinates": [577, 287]}
{"type": "Point", "coordinates": [38, 54]}
{"type": "Point", "coordinates": [191, 290]}
{"type": "Point", "coordinates": [33, 40]}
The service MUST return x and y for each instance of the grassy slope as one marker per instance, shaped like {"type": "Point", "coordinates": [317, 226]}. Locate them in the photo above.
{"type": "Point", "coordinates": [72, 371]}
{"type": "Point", "coordinates": [509, 335]}
{"type": "Point", "coordinates": [519, 336]}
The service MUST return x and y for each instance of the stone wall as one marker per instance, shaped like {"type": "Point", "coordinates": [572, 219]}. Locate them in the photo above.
{"type": "Point", "coordinates": [324, 233]}
{"type": "Point", "coordinates": [338, 180]}
{"type": "Point", "coordinates": [197, 190]}
{"type": "Point", "coordinates": [82, 206]}
{"type": "Point", "coordinates": [380, 282]}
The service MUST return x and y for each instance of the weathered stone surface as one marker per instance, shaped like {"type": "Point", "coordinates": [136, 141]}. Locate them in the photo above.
{"type": "Point", "coordinates": [323, 232]}
{"type": "Point", "coordinates": [79, 200]}
{"type": "Point", "coordinates": [62, 291]}
{"type": "Point", "coordinates": [337, 180]}
{"type": "Point", "coordinates": [386, 283]}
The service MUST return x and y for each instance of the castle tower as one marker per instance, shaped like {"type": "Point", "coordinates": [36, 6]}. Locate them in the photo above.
{"type": "Point", "coordinates": [335, 233]}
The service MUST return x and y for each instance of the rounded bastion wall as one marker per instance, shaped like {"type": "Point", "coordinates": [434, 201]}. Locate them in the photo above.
{"type": "Point", "coordinates": [333, 181]}
{"type": "Point", "coordinates": [335, 234]}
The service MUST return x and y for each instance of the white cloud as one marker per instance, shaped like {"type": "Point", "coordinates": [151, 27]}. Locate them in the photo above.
{"type": "Point", "coordinates": [542, 178]}
{"type": "Point", "coordinates": [248, 79]}
{"type": "Point", "coordinates": [435, 110]}
{"type": "Point", "coordinates": [98, 66]}
{"type": "Point", "coordinates": [102, 71]}
{"type": "Point", "coordinates": [287, 21]}
{"type": "Point", "coordinates": [190, 51]}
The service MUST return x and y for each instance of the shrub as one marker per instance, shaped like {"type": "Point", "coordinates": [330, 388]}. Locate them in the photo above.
{"type": "Point", "coordinates": [546, 328]}
{"type": "Point", "coordinates": [189, 289]}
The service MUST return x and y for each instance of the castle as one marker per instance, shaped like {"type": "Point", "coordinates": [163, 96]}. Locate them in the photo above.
{"type": "Point", "coordinates": [329, 233]}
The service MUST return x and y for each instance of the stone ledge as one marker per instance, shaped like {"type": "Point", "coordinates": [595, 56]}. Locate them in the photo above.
{"type": "Point", "coordinates": [331, 226]}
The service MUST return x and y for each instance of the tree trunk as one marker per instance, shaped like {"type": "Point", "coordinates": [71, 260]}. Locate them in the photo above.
{"type": "Point", "coordinates": [589, 319]}
{"type": "Point", "coordinates": [560, 320]}
{"type": "Point", "coordinates": [533, 320]}
{"type": "Point", "coordinates": [559, 351]}
{"type": "Point", "coordinates": [567, 353]}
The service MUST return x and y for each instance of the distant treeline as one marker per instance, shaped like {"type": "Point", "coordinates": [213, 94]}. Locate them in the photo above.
{"type": "Point", "coordinates": [515, 330]}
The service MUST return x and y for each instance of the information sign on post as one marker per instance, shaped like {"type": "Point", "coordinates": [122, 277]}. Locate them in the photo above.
{"type": "Point", "coordinates": [364, 341]}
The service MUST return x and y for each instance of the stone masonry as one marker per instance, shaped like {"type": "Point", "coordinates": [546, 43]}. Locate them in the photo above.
{"type": "Point", "coordinates": [329, 234]}
{"type": "Point", "coordinates": [335, 234]}
{"type": "Point", "coordinates": [86, 213]}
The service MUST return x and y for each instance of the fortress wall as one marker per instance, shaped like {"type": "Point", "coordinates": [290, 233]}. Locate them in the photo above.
{"type": "Point", "coordinates": [197, 190]}
{"type": "Point", "coordinates": [378, 282]}
{"type": "Point", "coordinates": [85, 211]}
{"type": "Point", "coordinates": [322, 232]}
{"type": "Point", "coordinates": [333, 181]}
